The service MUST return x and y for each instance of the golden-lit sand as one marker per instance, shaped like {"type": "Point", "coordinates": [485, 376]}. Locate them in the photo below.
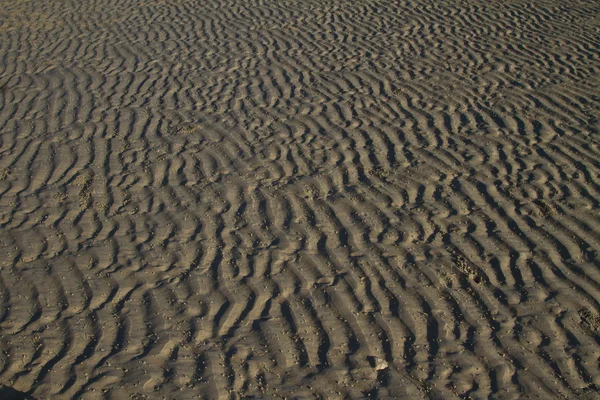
{"type": "Point", "coordinates": [300, 199]}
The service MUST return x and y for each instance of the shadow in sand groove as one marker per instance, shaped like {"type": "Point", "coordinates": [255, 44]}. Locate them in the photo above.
{"type": "Point", "coordinates": [8, 393]}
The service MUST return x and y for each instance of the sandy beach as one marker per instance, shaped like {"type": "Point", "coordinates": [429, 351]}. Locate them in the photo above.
{"type": "Point", "coordinates": [285, 199]}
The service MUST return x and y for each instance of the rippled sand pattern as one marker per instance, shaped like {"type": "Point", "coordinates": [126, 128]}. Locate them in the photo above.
{"type": "Point", "coordinates": [299, 199]}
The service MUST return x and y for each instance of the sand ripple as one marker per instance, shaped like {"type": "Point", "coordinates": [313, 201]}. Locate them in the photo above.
{"type": "Point", "coordinates": [344, 199]}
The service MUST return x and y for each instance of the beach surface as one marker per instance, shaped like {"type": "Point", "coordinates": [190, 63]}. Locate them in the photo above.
{"type": "Point", "coordinates": [300, 199]}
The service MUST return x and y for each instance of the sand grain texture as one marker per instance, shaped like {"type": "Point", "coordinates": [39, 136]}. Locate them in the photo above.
{"type": "Point", "coordinates": [290, 199]}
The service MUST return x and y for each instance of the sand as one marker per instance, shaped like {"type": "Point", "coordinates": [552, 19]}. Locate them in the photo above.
{"type": "Point", "coordinates": [300, 199]}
